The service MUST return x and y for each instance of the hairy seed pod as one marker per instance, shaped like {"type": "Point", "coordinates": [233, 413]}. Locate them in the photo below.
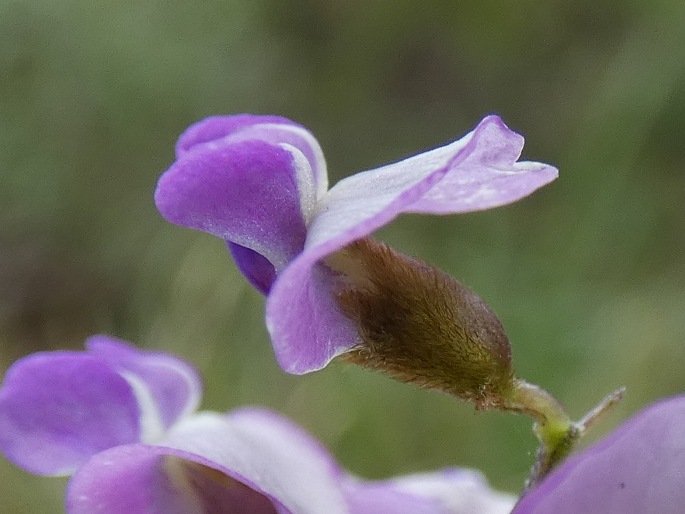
{"type": "Point", "coordinates": [422, 326]}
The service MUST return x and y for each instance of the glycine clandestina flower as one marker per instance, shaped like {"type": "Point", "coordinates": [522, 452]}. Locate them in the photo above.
{"type": "Point", "coordinates": [123, 423]}
{"type": "Point", "coordinates": [260, 183]}
{"type": "Point", "coordinates": [637, 469]}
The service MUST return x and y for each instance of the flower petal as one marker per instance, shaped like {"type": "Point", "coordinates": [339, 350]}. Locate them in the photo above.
{"type": "Point", "coordinates": [268, 453]}
{"type": "Point", "coordinates": [475, 172]}
{"type": "Point", "coordinates": [372, 498]}
{"type": "Point", "coordinates": [257, 270]}
{"type": "Point", "coordinates": [58, 409]}
{"type": "Point", "coordinates": [219, 130]}
{"type": "Point", "coordinates": [487, 176]}
{"type": "Point", "coordinates": [143, 479]}
{"type": "Point", "coordinates": [638, 468]}
{"type": "Point", "coordinates": [167, 388]}
{"type": "Point", "coordinates": [307, 328]}
{"type": "Point", "coordinates": [479, 171]}
{"type": "Point", "coordinates": [244, 192]}
{"type": "Point", "coordinates": [452, 491]}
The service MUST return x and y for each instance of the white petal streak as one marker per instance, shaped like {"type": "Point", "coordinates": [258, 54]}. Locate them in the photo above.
{"type": "Point", "coordinates": [305, 184]}
{"type": "Point", "coordinates": [151, 426]}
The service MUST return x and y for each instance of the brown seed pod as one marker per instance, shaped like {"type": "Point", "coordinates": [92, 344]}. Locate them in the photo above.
{"type": "Point", "coordinates": [420, 325]}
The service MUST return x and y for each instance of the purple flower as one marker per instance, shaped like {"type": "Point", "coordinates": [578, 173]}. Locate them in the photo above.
{"type": "Point", "coordinates": [638, 468]}
{"type": "Point", "coordinates": [260, 183]}
{"type": "Point", "coordinates": [123, 423]}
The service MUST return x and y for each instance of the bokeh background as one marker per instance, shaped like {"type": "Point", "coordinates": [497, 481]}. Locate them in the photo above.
{"type": "Point", "coordinates": [587, 274]}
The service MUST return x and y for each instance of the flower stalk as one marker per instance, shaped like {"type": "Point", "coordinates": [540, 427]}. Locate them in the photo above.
{"type": "Point", "coordinates": [553, 426]}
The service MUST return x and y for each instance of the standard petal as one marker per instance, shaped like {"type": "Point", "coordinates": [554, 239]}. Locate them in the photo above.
{"type": "Point", "coordinates": [479, 171]}
{"type": "Point", "coordinates": [305, 332]}
{"type": "Point", "coordinates": [638, 468]}
{"type": "Point", "coordinates": [219, 130]}
{"type": "Point", "coordinates": [268, 453]}
{"type": "Point", "coordinates": [486, 174]}
{"type": "Point", "coordinates": [58, 409]}
{"type": "Point", "coordinates": [143, 479]}
{"type": "Point", "coordinates": [244, 192]}
{"type": "Point", "coordinates": [166, 387]}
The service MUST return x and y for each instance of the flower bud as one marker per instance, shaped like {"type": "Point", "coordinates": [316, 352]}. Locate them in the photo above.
{"type": "Point", "coordinates": [420, 325]}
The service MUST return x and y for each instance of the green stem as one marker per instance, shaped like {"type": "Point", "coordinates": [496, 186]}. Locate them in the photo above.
{"type": "Point", "coordinates": [552, 422]}
{"type": "Point", "coordinates": [553, 427]}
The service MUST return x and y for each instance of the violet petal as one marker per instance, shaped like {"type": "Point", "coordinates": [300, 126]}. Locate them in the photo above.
{"type": "Point", "coordinates": [58, 409]}
{"type": "Point", "coordinates": [244, 192]}
{"type": "Point", "coordinates": [167, 388]}
{"type": "Point", "coordinates": [323, 331]}
{"type": "Point", "coordinates": [638, 468]}
{"type": "Point", "coordinates": [257, 270]}
{"type": "Point", "coordinates": [219, 130]}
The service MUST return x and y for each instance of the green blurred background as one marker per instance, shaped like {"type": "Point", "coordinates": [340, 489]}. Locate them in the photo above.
{"type": "Point", "coordinates": [587, 274]}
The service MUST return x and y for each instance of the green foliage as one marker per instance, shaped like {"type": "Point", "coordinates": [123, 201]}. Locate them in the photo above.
{"type": "Point", "coordinates": [586, 275]}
